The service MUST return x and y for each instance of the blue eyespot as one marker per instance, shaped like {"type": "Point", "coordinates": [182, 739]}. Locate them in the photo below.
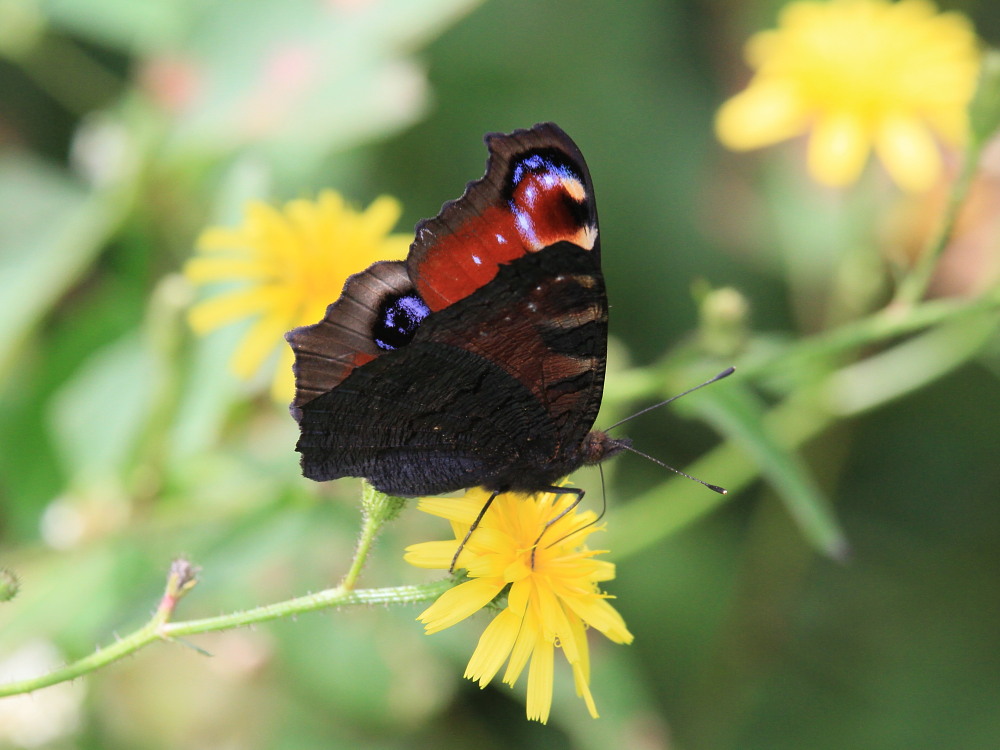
{"type": "Point", "coordinates": [398, 319]}
{"type": "Point", "coordinates": [552, 166]}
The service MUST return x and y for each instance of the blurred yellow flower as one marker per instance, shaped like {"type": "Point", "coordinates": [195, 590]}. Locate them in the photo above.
{"type": "Point", "coordinates": [548, 606]}
{"type": "Point", "coordinates": [859, 74]}
{"type": "Point", "coordinates": [283, 267]}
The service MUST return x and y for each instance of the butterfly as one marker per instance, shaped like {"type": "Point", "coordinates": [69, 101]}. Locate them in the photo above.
{"type": "Point", "coordinates": [480, 359]}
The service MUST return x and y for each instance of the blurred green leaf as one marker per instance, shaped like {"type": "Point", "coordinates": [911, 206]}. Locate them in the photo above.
{"type": "Point", "coordinates": [911, 365]}
{"type": "Point", "coordinates": [302, 77]}
{"type": "Point", "coordinates": [62, 589]}
{"type": "Point", "coordinates": [377, 670]}
{"type": "Point", "coordinates": [123, 24]}
{"type": "Point", "coordinates": [207, 396]}
{"type": "Point", "coordinates": [740, 415]}
{"type": "Point", "coordinates": [98, 416]}
{"type": "Point", "coordinates": [51, 228]}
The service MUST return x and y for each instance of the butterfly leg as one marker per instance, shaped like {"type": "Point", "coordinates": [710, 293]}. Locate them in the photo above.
{"type": "Point", "coordinates": [473, 527]}
{"type": "Point", "coordinates": [557, 491]}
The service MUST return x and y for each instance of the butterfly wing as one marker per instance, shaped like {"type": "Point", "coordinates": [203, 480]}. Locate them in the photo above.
{"type": "Point", "coordinates": [499, 379]}
{"type": "Point", "coordinates": [536, 192]}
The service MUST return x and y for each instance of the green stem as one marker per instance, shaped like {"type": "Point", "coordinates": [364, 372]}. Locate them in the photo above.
{"type": "Point", "coordinates": [369, 530]}
{"type": "Point", "coordinates": [182, 579]}
{"type": "Point", "coordinates": [337, 596]}
{"type": "Point", "coordinates": [914, 285]}
{"type": "Point", "coordinates": [889, 323]}
{"type": "Point", "coordinates": [807, 413]}
{"type": "Point", "coordinates": [158, 629]}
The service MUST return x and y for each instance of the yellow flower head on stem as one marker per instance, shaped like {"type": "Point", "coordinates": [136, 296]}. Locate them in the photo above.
{"type": "Point", "coordinates": [548, 606]}
{"type": "Point", "coordinates": [859, 75]}
{"type": "Point", "coordinates": [282, 268]}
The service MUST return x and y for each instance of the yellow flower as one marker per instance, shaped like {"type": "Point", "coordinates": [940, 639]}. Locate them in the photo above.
{"type": "Point", "coordinates": [283, 267]}
{"type": "Point", "coordinates": [860, 74]}
{"type": "Point", "coordinates": [547, 607]}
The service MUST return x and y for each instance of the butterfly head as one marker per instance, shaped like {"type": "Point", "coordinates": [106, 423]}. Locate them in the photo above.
{"type": "Point", "coordinates": [598, 445]}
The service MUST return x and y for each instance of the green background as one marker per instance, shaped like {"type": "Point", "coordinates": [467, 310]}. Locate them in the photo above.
{"type": "Point", "coordinates": [113, 413]}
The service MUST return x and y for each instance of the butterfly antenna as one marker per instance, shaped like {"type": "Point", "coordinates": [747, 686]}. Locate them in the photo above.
{"type": "Point", "coordinates": [724, 374]}
{"type": "Point", "coordinates": [713, 487]}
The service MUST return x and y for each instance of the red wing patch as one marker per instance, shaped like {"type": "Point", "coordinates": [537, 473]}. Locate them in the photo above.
{"type": "Point", "coordinates": [536, 192]}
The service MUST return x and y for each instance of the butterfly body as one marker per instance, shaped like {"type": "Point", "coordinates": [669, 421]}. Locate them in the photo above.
{"type": "Point", "coordinates": [480, 359]}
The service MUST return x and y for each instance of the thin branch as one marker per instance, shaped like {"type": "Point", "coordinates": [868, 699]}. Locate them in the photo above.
{"type": "Point", "coordinates": [914, 285]}
{"type": "Point", "coordinates": [378, 509]}
{"type": "Point", "coordinates": [889, 323]}
{"type": "Point", "coordinates": [159, 628]}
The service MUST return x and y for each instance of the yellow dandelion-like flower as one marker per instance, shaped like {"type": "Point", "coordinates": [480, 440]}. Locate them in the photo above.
{"type": "Point", "coordinates": [859, 74]}
{"type": "Point", "coordinates": [548, 606]}
{"type": "Point", "coordinates": [283, 267]}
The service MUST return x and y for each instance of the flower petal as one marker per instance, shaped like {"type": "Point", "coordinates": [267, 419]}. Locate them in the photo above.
{"type": "Point", "coordinates": [221, 238]}
{"type": "Point", "coordinates": [578, 633]}
{"type": "Point", "coordinates": [601, 616]}
{"type": "Point", "coordinates": [227, 308]}
{"type": "Point", "coordinates": [582, 685]}
{"type": "Point", "coordinates": [540, 680]}
{"type": "Point", "coordinates": [207, 270]}
{"type": "Point", "coordinates": [763, 114]}
{"type": "Point", "coordinates": [909, 153]}
{"type": "Point", "coordinates": [434, 555]}
{"type": "Point", "coordinates": [528, 637]}
{"type": "Point", "coordinates": [454, 605]}
{"type": "Point", "coordinates": [548, 603]}
{"type": "Point", "coordinates": [381, 216]}
{"type": "Point", "coordinates": [454, 509]}
{"type": "Point", "coordinates": [554, 624]}
{"type": "Point", "coordinates": [843, 67]}
{"type": "Point", "coordinates": [838, 148]}
{"type": "Point", "coordinates": [293, 262]}
{"type": "Point", "coordinates": [581, 668]}
{"type": "Point", "coordinates": [519, 596]}
{"type": "Point", "coordinates": [494, 647]}
{"type": "Point", "coordinates": [259, 343]}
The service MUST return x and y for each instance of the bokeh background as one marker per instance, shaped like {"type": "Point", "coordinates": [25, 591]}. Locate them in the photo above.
{"type": "Point", "coordinates": [127, 127]}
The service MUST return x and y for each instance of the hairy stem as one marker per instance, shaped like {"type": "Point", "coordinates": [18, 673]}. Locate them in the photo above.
{"type": "Point", "coordinates": [182, 578]}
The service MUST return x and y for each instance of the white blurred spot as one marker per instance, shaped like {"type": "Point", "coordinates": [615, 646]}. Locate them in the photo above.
{"type": "Point", "coordinates": [42, 716]}
{"type": "Point", "coordinates": [63, 525]}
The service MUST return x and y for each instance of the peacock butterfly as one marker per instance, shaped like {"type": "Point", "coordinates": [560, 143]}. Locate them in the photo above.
{"type": "Point", "coordinates": [479, 360]}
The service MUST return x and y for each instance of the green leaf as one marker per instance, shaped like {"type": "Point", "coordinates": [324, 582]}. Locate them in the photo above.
{"type": "Point", "coordinates": [51, 228]}
{"type": "Point", "coordinates": [302, 78]}
{"type": "Point", "coordinates": [737, 413]}
{"type": "Point", "coordinates": [98, 416]}
{"type": "Point", "coordinates": [123, 24]}
{"type": "Point", "coordinates": [907, 367]}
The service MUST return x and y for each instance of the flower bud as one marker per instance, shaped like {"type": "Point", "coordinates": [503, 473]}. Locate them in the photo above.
{"type": "Point", "coordinates": [10, 584]}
